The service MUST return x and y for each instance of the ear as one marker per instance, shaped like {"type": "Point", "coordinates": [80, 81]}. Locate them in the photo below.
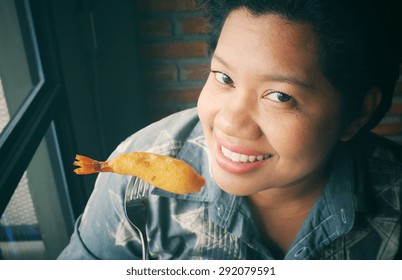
{"type": "Point", "coordinates": [370, 104]}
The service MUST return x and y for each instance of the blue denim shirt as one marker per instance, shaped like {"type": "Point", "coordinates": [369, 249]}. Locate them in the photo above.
{"type": "Point", "coordinates": [357, 216]}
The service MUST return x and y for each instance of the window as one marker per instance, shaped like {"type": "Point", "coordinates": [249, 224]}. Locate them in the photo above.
{"type": "Point", "coordinates": [36, 212]}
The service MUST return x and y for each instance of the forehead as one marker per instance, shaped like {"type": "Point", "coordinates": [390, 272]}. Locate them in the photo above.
{"type": "Point", "coordinates": [269, 44]}
{"type": "Point", "coordinates": [268, 30]}
{"type": "Point", "coordinates": [269, 23]}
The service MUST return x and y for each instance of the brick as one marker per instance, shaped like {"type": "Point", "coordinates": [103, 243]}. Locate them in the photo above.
{"type": "Point", "coordinates": [387, 129]}
{"type": "Point", "coordinates": [396, 108]}
{"type": "Point", "coordinates": [195, 71]}
{"type": "Point", "coordinates": [160, 73]}
{"type": "Point", "coordinates": [166, 96]}
{"type": "Point", "coordinates": [166, 5]}
{"type": "Point", "coordinates": [195, 25]}
{"type": "Point", "coordinates": [154, 28]}
{"type": "Point", "coordinates": [173, 50]}
{"type": "Point", "coordinates": [398, 88]}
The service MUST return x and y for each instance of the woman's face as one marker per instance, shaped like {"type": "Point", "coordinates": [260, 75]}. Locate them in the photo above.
{"type": "Point", "coordinates": [270, 117]}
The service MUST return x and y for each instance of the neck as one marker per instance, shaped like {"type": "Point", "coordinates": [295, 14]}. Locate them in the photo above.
{"type": "Point", "coordinates": [287, 198]}
{"type": "Point", "coordinates": [280, 212]}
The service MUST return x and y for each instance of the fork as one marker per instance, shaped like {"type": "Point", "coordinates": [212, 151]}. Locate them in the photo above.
{"type": "Point", "coordinates": [135, 207]}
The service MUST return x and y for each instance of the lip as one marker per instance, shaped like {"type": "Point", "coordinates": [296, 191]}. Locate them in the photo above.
{"type": "Point", "coordinates": [237, 167]}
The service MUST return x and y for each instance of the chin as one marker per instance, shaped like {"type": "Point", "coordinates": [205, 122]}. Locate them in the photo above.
{"type": "Point", "coordinates": [234, 189]}
{"type": "Point", "coordinates": [235, 184]}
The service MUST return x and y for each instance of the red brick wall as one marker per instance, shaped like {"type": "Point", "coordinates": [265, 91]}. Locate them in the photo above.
{"type": "Point", "coordinates": [173, 54]}
{"type": "Point", "coordinates": [173, 57]}
{"type": "Point", "coordinates": [391, 125]}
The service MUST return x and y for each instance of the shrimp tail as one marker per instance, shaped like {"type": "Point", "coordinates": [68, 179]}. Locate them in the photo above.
{"type": "Point", "coordinates": [88, 166]}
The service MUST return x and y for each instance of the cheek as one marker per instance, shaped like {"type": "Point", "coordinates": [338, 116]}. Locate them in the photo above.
{"type": "Point", "coordinates": [207, 114]}
{"type": "Point", "coordinates": [201, 104]}
{"type": "Point", "coordinates": [299, 138]}
{"type": "Point", "coordinates": [203, 108]}
{"type": "Point", "coordinates": [208, 106]}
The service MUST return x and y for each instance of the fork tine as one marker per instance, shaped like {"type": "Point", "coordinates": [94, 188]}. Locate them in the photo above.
{"type": "Point", "coordinates": [140, 191]}
{"type": "Point", "coordinates": [135, 190]}
{"type": "Point", "coordinates": [132, 190]}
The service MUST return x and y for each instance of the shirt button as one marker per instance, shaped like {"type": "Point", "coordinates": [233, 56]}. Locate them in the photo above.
{"type": "Point", "coordinates": [343, 216]}
{"type": "Point", "coordinates": [219, 211]}
{"type": "Point", "coordinates": [300, 251]}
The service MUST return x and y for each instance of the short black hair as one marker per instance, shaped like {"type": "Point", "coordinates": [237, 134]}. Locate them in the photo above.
{"type": "Point", "coordinates": [355, 52]}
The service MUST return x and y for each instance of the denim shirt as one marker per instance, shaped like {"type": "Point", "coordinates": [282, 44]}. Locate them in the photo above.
{"type": "Point", "coordinates": [357, 216]}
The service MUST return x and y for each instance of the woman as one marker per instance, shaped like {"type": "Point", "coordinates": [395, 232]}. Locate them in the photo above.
{"type": "Point", "coordinates": [281, 136]}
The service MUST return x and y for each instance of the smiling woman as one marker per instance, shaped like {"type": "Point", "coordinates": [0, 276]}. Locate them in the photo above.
{"type": "Point", "coordinates": [297, 125]}
{"type": "Point", "coordinates": [281, 136]}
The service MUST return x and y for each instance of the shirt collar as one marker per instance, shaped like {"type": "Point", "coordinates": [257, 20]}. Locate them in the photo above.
{"type": "Point", "coordinates": [333, 214]}
{"type": "Point", "coordinates": [339, 192]}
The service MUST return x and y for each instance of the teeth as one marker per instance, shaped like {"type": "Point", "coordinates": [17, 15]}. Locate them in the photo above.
{"type": "Point", "coordinates": [242, 158]}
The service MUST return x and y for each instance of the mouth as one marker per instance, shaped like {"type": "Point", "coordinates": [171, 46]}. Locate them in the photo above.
{"type": "Point", "coordinates": [239, 159]}
{"type": "Point", "coordinates": [243, 158]}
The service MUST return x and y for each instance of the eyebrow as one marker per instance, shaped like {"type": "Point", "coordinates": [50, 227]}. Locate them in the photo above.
{"type": "Point", "coordinates": [276, 77]}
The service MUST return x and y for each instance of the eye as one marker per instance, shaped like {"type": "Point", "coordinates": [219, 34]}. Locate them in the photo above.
{"type": "Point", "coordinates": [223, 78]}
{"type": "Point", "coordinates": [279, 97]}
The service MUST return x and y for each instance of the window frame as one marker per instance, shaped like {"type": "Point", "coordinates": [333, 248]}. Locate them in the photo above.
{"type": "Point", "coordinates": [45, 106]}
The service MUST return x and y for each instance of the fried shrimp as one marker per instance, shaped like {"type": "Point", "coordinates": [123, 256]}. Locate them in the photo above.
{"type": "Point", "coordinates": [164, 172]}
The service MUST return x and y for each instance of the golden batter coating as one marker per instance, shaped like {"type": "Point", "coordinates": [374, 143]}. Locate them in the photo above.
{"type": "Point", "coordinates": [164, 172]}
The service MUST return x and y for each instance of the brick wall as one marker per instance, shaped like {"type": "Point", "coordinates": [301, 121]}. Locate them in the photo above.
{"type": "Point", "coordinates": [173, 57]}
{"type": "Point", "coordinates": [391, 125]}
{"type": "Point", "coordinates": [173, 54]}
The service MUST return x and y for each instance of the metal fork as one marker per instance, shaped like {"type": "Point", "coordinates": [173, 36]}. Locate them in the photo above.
{"type": "Point", "coordinates": [135, 207]}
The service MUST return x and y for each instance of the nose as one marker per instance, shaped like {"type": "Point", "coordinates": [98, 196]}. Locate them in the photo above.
{"type": "Point", "coordinates": [237, 118]}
